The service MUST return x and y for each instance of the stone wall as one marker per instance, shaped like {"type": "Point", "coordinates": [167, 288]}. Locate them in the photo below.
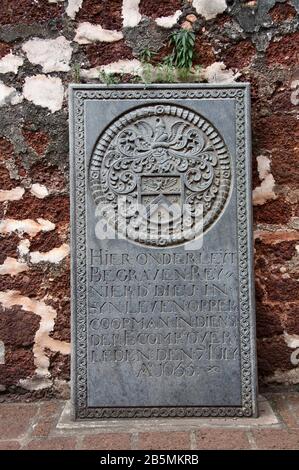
{"type": "Point", "coordinates": [46, 44]}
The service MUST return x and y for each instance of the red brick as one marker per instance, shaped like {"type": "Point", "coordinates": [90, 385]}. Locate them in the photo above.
{"type": "Point", "coordinates": [279, 439]}
{"type": "Point", "coordinates": [268, 320]}
{"type": "Point", "coordinates": [62, 323]}
{"type": "Point", "coordinates": [54, 208]}
{"type": "Point", "coordinates": [278, 134]}
{"type": "Point", "coordinates": [55, 443]}
{"type": "Point", "coordinates": [282, 12]}
{"type": "Point", "coordinates": [285, 51]}
{"type": "Point", "coordinates": [50, 408]}
{"type": "Point", "coordinates": [4, 49]}
{"type": "Point", "coordinates": [18, 328]}
{"type": "Point", "coordinates": [278, 211]}
{"type": "Point", "coordinates": [45, 241]}
{"type": "Point", "coordinates": [15, 419]}
{"type": "Point", "coordinates": [222, 439]}
{"type": "Point", "coordinates": [42, 281]}
{"type": "Point", "coordinates": [239, 55]}
{"type": "Point", "coordinates": [28, 11]}
{"type": "Point", "coordinates": [37, 140]}
{"type": "Point", "coordinates": [6, 182]}
{"type": "Point", "coordinates": [107, 14]}
{"type": "Point", "coordinates": [43, 172]}
{"type": "Point", "coordinates": [282, 289]}
{"type": "Point", "coordinates": [44, 426]}
{"type": "Point", "coordinates": [59, 365]}
{"type": "Point", "coordinates": [61, 287]}
{"type": "Point", "coordinates": [6, 149]}
{"type": "Point", "coordinates": [273, 353]}
{"type": "Point", "coordinates": [19, 364]}
{"type": "Point", "coordinates": [17, 331]}
{"type": "Point", "coordinates": [164, 440]}
{"type": "Point", "coordinates": [115, 441]}
{"type": "Point", "coordinates": [30, 285]}
{"type": "Point", "coordinates": [281, 100]}
{"type": "Point", "coordinates": [9, 245]}
{"type": "Point", "coordinates": [291, 318]}
{"type": "Point", "coordinates": [100, 54]}
{"type": "Point", "coordinates": [277, 253]}
{"type": "Point", "coordinates": [155, 9]}
{"type": "Point", "coordinates": [203, 52]}
{"type": "Point", "coordinates": [9, 445]}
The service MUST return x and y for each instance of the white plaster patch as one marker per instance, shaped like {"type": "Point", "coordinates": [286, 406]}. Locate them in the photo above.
{"type": "Point", "coordinates": [12, 267]}
{"type": "Point", "coordinates": [295, 357]}
{"type": "Point", "coordinates": [87, 33]}
{"type": "Point", "coordinates": [44, 91]}
{"type": "Point", "coordinates": [42, 340]}
{"type": "Point", "coordinates": [9, 95]}
{"type": "Point", "coordinates": [16, 98]}
{"type": "Point", "coordinates": [130, 13]}
{"type": "Point", "coordinates": [53, 55]}
{"type": "Point", "coordinates": [133, 67]}
{"type": "Point", "coordinates": [10, 63]}
{"type": "Point", "coordinates": [14, 194]}
{"type": "Point", "coordinates": [264, 192]}
{"type": "Point", "coordinates": [168, 21]}
{"type": "Point", "coordinates": [36, 383]}
{"type": "Point", "coordinates": [39, 190]}
{"type": "Point", "coordinates": [291, 340]}
{"type": "Point", "coordinates": [23, 247]}
{"type": "Point", "coordinates": [217, 73]}
{"type": "Point", "coordinates": [263, 166]}
{"type": "Point", "coordinates": [53, 256]}
{"type": "Point", "coordinates": [29, 226]}
{"type": "Point", "coordinates": [295, 93]}
{"type": "Point", "coordinates": [209, 8]}
{"type": "Point", "coordinates": [2, 353]}
{"type": "Point", "coordinates": [73, 7]}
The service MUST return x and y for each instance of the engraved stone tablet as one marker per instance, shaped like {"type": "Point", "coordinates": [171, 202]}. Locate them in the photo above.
{"type": "Point", "coordinates": [162, 287]}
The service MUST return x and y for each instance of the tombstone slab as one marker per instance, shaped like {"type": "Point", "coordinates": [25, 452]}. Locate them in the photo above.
{"type": "Point", "coordinates": [163, 314]}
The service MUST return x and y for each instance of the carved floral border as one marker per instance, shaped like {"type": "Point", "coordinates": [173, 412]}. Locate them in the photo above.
{"type": "Point", "coordinates": [79, 308]}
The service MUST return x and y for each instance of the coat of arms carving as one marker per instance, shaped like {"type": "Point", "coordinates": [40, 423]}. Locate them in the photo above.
{"type": "Point", "coordinates": [160, 175]}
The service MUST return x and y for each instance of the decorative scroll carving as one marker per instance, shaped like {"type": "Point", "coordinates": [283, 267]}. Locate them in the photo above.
{"type": "Point", "coordinates": [160, 154]}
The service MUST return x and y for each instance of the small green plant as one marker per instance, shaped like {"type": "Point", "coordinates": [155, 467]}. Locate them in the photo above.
{"type": "Point", "coordinates": [108, 78]}
{"type": "Point", "coordinates": [165, 73]}
{"type": "Point", "coordinates": [183, 48]}
{"type": "Point", "coordinates": [169, 74]}
{"type": "Point", "coordinates": [146, 55]}
{"type": "Point", "coordinates": [135, 79]}
{"type": "Point", "coordinates": [168, 60]}
{"type": "Point", "coordinates": [183, 74]}
{"type": "Point", "coordinates": [76, 69]}
{"type": "Point", "coordinates": [174, 68]}
{"type": "Point", "coordinates": [147, 73]}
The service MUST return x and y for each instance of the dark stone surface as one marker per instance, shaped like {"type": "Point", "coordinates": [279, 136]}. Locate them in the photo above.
{"type": "Point", "coordinates": [163, 326]}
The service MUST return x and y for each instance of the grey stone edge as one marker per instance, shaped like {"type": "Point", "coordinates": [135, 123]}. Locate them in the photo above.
{"type": "Point", "coordinates": [240, 92]}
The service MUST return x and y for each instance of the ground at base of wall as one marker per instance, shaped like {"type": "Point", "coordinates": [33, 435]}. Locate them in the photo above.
{"type": "Point", "coordinates": [36, 428]}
